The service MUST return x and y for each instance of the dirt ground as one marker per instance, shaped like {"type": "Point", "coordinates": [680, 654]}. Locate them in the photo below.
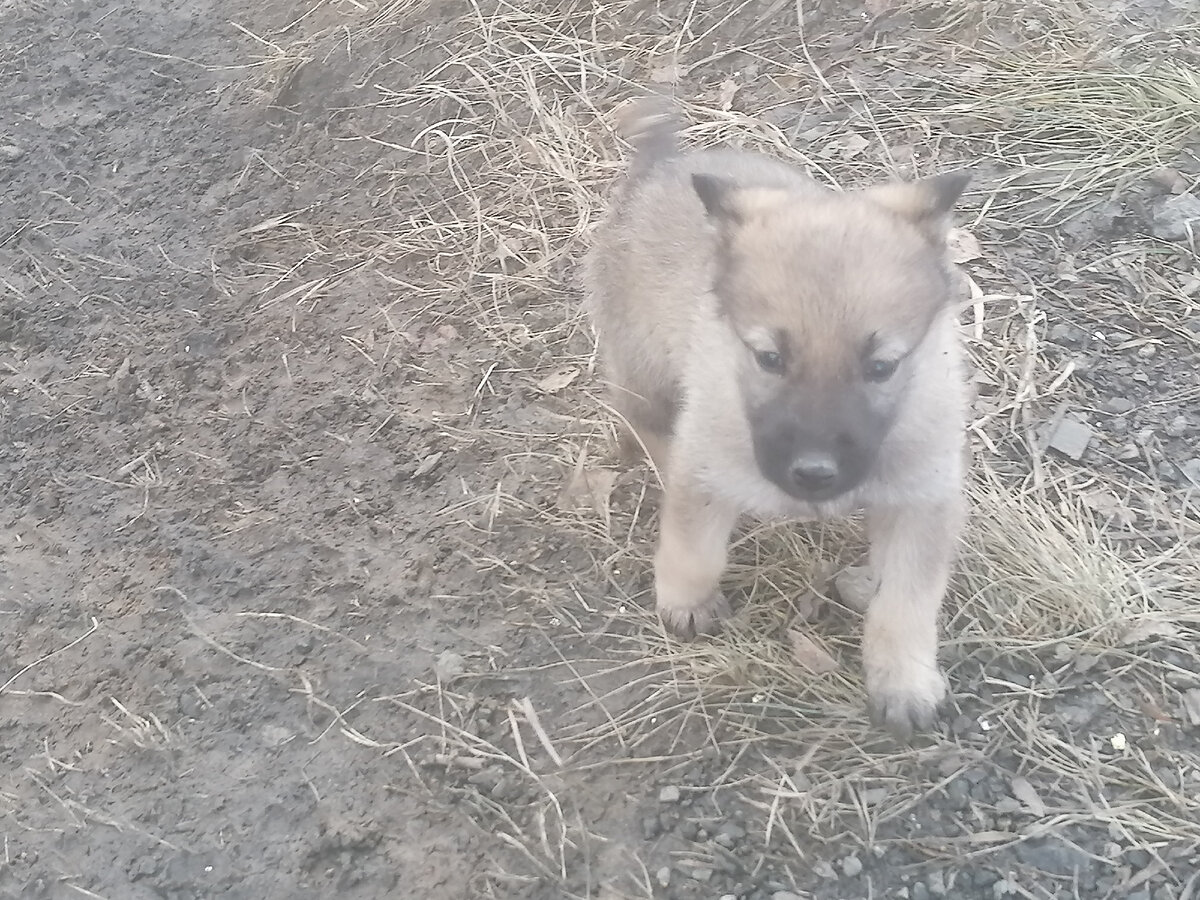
{"type": "Point", "coordinates": [317, 574]}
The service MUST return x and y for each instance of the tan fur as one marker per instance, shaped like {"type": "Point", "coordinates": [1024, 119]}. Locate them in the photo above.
{"type": "Point", "coordinates": [692, 280]}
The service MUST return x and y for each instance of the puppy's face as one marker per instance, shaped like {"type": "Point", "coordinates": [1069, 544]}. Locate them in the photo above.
{"type": "Point", "coordinates": [830, 298]}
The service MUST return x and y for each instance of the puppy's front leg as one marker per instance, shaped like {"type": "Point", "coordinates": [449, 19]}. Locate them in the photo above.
{"type": "Point", "coordinates": [692, 549]}
{"type": "Point", "coordinates": [912, 549]}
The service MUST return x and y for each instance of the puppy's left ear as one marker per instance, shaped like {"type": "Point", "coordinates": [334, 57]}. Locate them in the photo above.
{"type": "Point", "coordinates": [926, 203]}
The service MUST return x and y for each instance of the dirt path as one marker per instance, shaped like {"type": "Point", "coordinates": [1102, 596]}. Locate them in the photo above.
{"type": "Point", "coordinates": [183, 501]}
{"type": "Point", "coordinates": [317, 579]}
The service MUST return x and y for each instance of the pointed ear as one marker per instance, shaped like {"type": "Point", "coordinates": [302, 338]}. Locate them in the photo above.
{"type": "Point", "coordinates": [727, 202]}
{"type": "Point", "coordinates": [718, 196]}
{"type": "Point", "coordinates": [926, 203]}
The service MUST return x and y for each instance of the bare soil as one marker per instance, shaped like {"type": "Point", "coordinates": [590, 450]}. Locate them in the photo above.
{"type": "Point", "coordinates": [317, 575]}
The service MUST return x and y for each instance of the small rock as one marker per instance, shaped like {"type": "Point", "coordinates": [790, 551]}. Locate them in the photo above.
{"type": "Point", "coordinates": [1118, 424]}
{"type": "Point", "coordinates": [918, 891]}
{"type": "Point", "coordinates": [728, 897]}
{"type": "Point", "coordinates": [650, 827]}
{"type": "Point", "coordinates": [1128, 453]}
{"type": "Point", "coordinates": [1191, 471]}
{"type": "Point", "coordinates": [669, 794]}
{"type": "Point", "coordinates": [10, 153]}
{"type": "Point", "coordinates": [1138, 858]}
{"type": "Point", "coordinates": [822, 869]}
{"type": "Point", "coordinates": [450, 665]}
{"type": "Point", "coordinates": [729, 834]}
{"type": "Point", "coordinates": [852, 866]}
{"type": "Point", "coordinates": [785, 895]}
{"type": "Point", "coordinates": [1176, 218]}
{"type": "Point", "coordinates": [1178, 427]}
{"type": "Point", "coordinates": [689, 831]}
{"type": "Point", "coordinates": [856, 585]}
{"type": "Point", "coordinates": [1118, 405]}
{"type": "Point", "coordinates": [1071, 438]}
{"type": "Point", "coordinates": [663, 876]}
{"type": "Point", "coordinates": [937, 883]}
{"type": "Point", "coordinates": [702, 873]}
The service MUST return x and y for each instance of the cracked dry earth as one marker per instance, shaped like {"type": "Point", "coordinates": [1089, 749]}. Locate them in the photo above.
{"type": "Point", "coordinates": [241, 508]}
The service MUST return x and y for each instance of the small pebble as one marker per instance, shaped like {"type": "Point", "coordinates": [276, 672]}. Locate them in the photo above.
{"type": "Point", "coordinates": [1178, 427]}
{"type": "Point", "coordinates": [663, 876]}
{"type": "Point", "coordinates": [1138, 858]}
{"type": "Point", "coordinates": [937, 883]}
{"type": "Point", "coordinates": [1191, 471]}
{"type": "Point", "coordinates": [1004, 888]}
{"type": "Point", "coordinates": [1118, 405]}
{"type": "Point", "coordinates": [1071, 438]}
{"type": "Point", "coordinates": [449, 666]}
{"type": "Point", "coordinates": [852, 866]}
{"type": "Point", "coordinates": [1128, 453]}
{"type": "Point", "coordinates": [650, 827]}
{"type": "Point", "coordinates": [10, 153]}
{"type": "Point", "coordinates": [785, 895]}
{"type": "Point", "coordinates": [669, 794]}
{"type": "Point", "coordinates": [729, 834]}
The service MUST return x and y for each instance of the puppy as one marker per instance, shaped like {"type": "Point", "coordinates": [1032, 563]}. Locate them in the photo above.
{"type": "Point", "coordinates": [785, 350]}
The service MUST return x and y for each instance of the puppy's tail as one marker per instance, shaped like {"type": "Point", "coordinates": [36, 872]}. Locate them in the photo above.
{"type": "Point", "coordinates": [651, 124]}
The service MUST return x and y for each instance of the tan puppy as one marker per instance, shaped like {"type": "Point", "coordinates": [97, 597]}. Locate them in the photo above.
{"type": "Point", "coordinates": [789, 351]}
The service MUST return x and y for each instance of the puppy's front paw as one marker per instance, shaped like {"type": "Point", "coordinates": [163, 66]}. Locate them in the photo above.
{"type": "Point", "coordinates": [905, 695]}
{"type": "Point", "coordinates": [686, 620]}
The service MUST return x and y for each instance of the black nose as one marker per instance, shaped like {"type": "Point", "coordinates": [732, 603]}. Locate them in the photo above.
{"type": "Point", "coordinates": [814, 471]}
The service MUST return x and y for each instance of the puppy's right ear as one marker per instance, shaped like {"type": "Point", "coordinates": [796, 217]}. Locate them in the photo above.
{"type": "Point", "coordinates": [718, 196]}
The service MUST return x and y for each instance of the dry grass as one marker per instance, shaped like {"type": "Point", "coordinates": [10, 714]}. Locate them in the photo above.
{"type": "Point", "coordinates": [490, 201]}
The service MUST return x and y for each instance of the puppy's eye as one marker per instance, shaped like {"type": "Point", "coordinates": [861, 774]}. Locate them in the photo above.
{"type": "Point", "coordinates": [769, 361]}
{"type": "Point", "coordinates": [881, 369]}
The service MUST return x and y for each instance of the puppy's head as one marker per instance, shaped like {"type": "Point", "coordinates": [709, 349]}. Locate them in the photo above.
{"type": "Point", "coordinates": [830, 297]}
